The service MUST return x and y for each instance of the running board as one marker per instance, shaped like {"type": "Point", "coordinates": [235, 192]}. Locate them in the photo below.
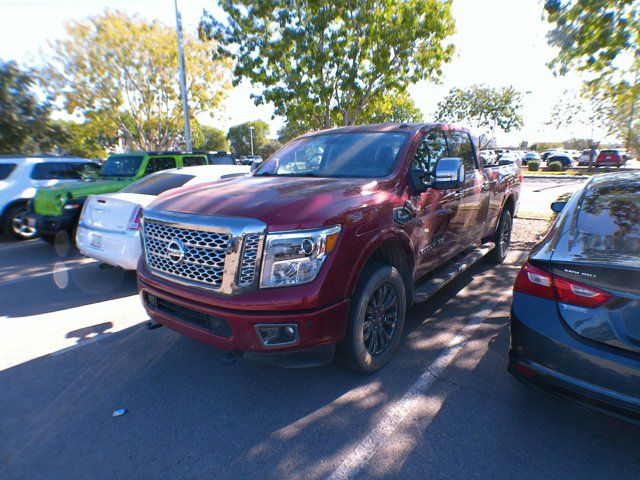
{"type": "Point", "coordinates": [435, 281]}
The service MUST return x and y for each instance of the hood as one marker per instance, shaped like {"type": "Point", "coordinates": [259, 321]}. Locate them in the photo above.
{"type": "Point", "coordinates": [280, 202]}
{"type": "Point", "coordinates": [48, 200]}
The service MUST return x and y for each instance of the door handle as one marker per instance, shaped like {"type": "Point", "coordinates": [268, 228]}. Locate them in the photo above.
{"type": "Point", "coordinates": [485, 186]}
{"type": "Point", "coordinates": [457, 195]}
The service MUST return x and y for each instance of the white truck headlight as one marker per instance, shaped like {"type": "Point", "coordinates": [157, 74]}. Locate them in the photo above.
{"type": "Point", "coordinates": [294, 258]}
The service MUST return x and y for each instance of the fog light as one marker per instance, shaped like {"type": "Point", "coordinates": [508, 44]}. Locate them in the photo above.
{"type": "Point", "coordinates": [272, 335]}
{"type": "Point", "coordinates": [152, 300]}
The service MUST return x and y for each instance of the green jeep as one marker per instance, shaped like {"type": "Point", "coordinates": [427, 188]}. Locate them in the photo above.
{"type": "Point", "coordinates": [56, 209]}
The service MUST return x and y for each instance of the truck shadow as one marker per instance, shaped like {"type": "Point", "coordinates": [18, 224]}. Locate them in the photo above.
{"type": "Point", "coordinates": [188, 415]}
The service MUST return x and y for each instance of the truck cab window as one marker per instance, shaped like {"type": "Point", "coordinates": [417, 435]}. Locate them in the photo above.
{"type": "Point", "coordinates": [431, 148]}
{"type": "Point", "coordinates": [460, 146]}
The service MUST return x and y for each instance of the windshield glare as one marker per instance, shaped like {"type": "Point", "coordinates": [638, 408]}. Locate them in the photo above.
{"type": "Point", "coordinates": [121, 166]}
{"type": "Point", "coordinates": [361, 155]}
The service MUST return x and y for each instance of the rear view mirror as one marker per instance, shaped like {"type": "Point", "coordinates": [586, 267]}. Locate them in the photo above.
{"type": "Point", "coordinates": [449, 173]}
{"type": "Point", "coordinates": [557, 207]}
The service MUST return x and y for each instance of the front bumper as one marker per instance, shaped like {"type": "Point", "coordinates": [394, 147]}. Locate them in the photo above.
{"type": "Point", "coordinates": [235, 329]}
{"type": "Point", "coordinates": [118, 249]}
{"type": "Point", "coordinates": [51, 225]}
{"type": "Point", "coordinates": [546, 354]}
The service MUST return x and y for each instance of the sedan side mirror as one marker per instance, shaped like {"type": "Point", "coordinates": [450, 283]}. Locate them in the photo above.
{"type": "Point", "coordinates": [449, 173]}
{"type": "Point", "coordinates": [254, 165]}
{"type": "Point", "coordinates": [557, 207]}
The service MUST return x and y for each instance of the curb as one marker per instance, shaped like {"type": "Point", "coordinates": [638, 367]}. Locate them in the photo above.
{"type": "Point", "coordinates": [558, 177]}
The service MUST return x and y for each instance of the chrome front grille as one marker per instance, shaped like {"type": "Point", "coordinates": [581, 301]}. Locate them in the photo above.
{"type": "Point", "coordinates": [249, 256]}
{"type": "Point", "coordinates": [215, 253]}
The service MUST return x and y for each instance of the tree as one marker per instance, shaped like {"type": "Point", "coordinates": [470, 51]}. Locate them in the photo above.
{"type": "Point", "coordinates": [239, 137]}
{"type": "Point", "coordinates": [209, 138]}
{"type": "Point", "coordinates": [269, 148]}
{"type": "Point", "coordinates": [321, 63]}
{"type": "Point", "coordinates": [397, 108]}
{"type": "Point", "coordinates": [593, 35]}
{"type": "Point", "coordinates": [482, 108]}
{"type": "Point", "coordinates": [24, 120]}
{"type": "Point", "coordinates": [121, 72]}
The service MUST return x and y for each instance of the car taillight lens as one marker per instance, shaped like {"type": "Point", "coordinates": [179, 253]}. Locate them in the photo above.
{"type": "Point", "coordinates": [134, 221]}
{"type": "Point", "coordinates": [534, 281]}
{"type": "Point", "coordinates": [575, 293]}
{"type": "Point", "coordinates": [540, 283]}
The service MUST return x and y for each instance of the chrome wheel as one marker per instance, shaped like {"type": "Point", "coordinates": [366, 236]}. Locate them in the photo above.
{"type": "Point", "coordinates": [19, 225]}
{"type": "Point", "coordinates": [381, 318]}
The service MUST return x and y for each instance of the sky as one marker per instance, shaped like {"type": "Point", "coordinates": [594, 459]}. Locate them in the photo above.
{"type": "Point", "coordinates": [498, 42]}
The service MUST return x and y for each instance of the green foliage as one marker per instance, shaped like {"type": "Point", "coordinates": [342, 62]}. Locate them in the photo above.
{"type": "Point", "coordinates": [554, 167]}
{"type": "Point", "coordinates": [82, 139]}
{"type": "Point", "coordinates": [592, 34]}
{"type": "Point", "coordinates": [208, 138]}
{"type": "Point", "coordinates": [24, 120]}
{"type": "Point", "coordinates": [239, 137]}
{"type": "Point", "coordinates": [482, 107]}
{"type": "Point", "coordinates": [397, 108]}
{"type": "Point", "coordinates": [121, 73]}
{"type": "Point", "coordinates": [269, 148]}
{"type": "Point", "coordinates": [533, 165]}
{"type": "Point", "coordinates": [321, 63]}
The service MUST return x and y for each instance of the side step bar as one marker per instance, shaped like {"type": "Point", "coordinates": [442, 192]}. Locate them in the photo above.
{"type": "Point", "coordinates": [442, 276]}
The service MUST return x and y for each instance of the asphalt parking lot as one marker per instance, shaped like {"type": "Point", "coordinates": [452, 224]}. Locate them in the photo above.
{"type": "Point", "coordinates": [73, 348]}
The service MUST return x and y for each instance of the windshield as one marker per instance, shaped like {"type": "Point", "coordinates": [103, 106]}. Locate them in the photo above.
{"type": "Point", "coordinates": [358, 155]}
{"type": "Point", "coordinates": [121, 166]}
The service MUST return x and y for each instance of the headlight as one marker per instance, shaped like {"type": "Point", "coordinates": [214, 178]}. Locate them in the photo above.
{"type": "Point", "coordinates": [294, 258]}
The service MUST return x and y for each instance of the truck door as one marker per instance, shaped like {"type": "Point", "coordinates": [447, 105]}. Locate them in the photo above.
{"type": "Point", "coordinates": [474, 203]}
{"type": "Point", "coordinates": [438, 222]}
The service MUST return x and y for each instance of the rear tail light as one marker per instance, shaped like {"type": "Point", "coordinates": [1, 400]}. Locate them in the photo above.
{"type": "Point", "coordinates": [134, 221]}
{"type": "Point", "coordinates": [540, 283]}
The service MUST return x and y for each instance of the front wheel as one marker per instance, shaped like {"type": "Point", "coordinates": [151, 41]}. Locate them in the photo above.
{"type": "Point", "coordinates": [376, 319]}
{"type": "Point", "coordinates": [15, 223]}
{"type": "Point", "coordinates": [502, 239]}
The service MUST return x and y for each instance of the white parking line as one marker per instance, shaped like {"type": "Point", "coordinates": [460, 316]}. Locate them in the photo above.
{"type": "Point", "coordinates": [360, 455]}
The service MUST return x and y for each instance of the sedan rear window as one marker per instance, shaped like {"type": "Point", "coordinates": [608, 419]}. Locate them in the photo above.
{"type": "Point", "coordinates": [6, 169]}
{"type": "Point", "coordinates": [612, 213]}
{"type": "Point", "coordinates": [156, 184]}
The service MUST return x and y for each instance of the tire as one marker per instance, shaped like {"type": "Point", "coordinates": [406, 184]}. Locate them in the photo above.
{"type": "Point", "coordinates": [14, 223]}
{"type": "Point", "coordinates": [378, 284]}
{"type": "Point", "coordinates": [502, 239]}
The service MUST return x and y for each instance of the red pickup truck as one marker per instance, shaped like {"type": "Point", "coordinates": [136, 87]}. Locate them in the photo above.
{"type": "Point", "coordinates": [326, 245]}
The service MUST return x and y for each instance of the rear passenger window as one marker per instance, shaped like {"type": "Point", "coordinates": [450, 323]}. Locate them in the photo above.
{"type": "Point", "coordinates": [193, 161]}
{"type": "Point", "coordinates": [431, 148]}
{"type": "Point", "coordinates": [157, 164]}
{"type": "Point", "coordinates": [460, 146]}
{"type": "Point", "coordinates": [6, 169]}
{"type": "Point", "coordinates": [57, 171]}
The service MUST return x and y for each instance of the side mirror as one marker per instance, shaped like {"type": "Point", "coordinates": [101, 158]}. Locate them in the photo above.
{"type": "Point", "coordinates": [254, 165]}
{"type": "Point", "coordinates": [449, 173]}
{"type": "Point", "coordinates": [557, 207]}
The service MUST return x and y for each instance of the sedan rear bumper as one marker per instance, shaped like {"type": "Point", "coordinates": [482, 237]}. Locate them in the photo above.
{"type": "Point", "coordinates": [118, 249]}
{"type": "Point", "coordinates": [545, 353]}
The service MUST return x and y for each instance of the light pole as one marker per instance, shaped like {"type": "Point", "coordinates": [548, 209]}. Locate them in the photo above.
{"type": "Point", "coordinates": [251, 132]}
{"type": "Point", "coordinates": [183, 81]}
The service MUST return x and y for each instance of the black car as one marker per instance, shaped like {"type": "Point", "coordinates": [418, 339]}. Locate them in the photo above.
{"type": "Point", "coordinates": [575, 317]}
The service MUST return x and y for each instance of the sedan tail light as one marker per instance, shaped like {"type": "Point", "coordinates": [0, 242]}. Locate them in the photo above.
{"type": "Point", "coordinates": [540, 283]}
{"type": "Point", "coordinates": [134, 221]}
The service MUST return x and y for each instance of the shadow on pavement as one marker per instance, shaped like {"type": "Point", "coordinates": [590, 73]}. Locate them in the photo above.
{"type": "Point", "coordinates": [190, 417]}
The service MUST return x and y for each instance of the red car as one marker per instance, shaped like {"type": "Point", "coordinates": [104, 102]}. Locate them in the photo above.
{"type": "Point", "coordinates": [611, 158]}
{"type": "Point", "coordinates": [327, 244]}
